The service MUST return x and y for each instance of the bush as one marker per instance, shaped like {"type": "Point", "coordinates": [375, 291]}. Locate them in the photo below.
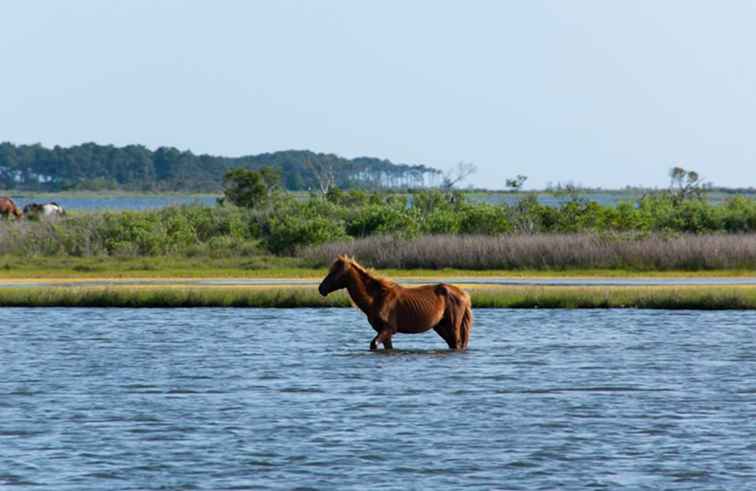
{"type": "Point", "coordinates": [484, 219]}
{"type": "Point", "coordinates": [289, 232]}
{"type": "Point", "coordinates": [381, 219]}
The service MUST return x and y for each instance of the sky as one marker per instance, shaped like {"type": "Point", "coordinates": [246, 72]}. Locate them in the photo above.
{"type": "Point", "coordinates": [595, 93]}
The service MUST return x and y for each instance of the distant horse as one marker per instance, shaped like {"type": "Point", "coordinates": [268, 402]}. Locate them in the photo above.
{"type": "Point", "coordinates": [391, 308]}
{"type": "Point", "coordinates": [47, 211]}
{"type": "Point", "coordinates": [8, 208]}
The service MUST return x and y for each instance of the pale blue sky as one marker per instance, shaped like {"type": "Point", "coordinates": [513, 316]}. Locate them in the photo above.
{"type": "Point", "coordinates": [603, 93]}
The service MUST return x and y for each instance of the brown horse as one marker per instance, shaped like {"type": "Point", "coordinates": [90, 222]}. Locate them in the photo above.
{"type": "Point", "coordinates": [8, 208]}
{"type": "Point", "coordinates": [391, 308]}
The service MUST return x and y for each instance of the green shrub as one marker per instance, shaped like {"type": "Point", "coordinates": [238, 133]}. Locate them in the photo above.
{"type": "Point", "coordinates": [442, 221]}
{"type": "Point", "coordinates": [381, 219]}
{"type": "Point", "coordinates": [484, 219]}
{"type": "Point", "coordinates": [739, 215]}
{"type": "Point", "coordinates": [287, 233]}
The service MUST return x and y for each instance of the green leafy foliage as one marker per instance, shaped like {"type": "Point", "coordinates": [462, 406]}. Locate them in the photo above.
{"type": "Point", "coordinates": [288, 232]}
{"type": "Point", "coordinates": [249, 188]}
{"type": "Point", "coordinates": [286, 224]}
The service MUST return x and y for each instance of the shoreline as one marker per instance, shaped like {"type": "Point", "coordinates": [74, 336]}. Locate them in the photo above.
{"type": "Point", "coordinates": [284, 296]}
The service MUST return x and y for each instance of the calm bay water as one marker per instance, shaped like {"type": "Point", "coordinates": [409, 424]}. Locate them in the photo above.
{"type": "Point", "coordinates": [284, 399]}
{"type": "Point", "coordinates": [116, 202]}
{"type": "Point", "coordinates": [93, 203]}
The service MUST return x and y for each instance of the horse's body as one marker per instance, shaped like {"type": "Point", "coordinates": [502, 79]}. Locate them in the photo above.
{"type": "Point", "coordinates": [391, 308]}
{"type": "Point", "coordinates": [48, 210]}
{"type": "Point", "coordinates": [8, 208]}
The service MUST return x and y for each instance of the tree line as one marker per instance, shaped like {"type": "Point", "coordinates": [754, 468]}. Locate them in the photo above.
{"type": "Point", "coordinates": [91, 166]}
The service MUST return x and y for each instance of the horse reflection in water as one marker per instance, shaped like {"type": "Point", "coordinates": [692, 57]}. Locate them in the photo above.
{"type": "Point", "coordinates": [391, 308]}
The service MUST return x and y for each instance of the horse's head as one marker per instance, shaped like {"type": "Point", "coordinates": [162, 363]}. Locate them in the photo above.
{"type": "Point", "coordinates": [337, 277]}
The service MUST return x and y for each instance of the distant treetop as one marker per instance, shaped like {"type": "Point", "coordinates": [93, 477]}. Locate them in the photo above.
{"type": "Point", "coordinates": [136, 168]}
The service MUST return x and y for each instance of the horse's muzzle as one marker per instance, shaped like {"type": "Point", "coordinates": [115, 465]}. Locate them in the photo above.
{"type": "Point", "coordinates": [322, 290]}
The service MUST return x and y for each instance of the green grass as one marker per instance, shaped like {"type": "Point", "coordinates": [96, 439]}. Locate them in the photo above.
{"type": "Point", "coordinates": [276, 267]}
{"type": "Point", "coordinates": [697, 298]}
{"type": "Point", "coordinates": [694, 298]}
{"type": "Point", "coordinates": [152, 267]}
{"type": "Point", "coordinates": [168, 297]}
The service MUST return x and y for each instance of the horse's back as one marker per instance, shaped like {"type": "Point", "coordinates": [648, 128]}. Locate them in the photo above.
{"type": "Point", "coordinates": [447, 289]}
{"type": "Point", "coordinates": [52, 210]}
{"type": "Point", "coordinates": [418, 309]}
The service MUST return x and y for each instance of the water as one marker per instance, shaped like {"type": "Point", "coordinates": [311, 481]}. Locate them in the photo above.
{"type": "Point", "coordinates": [117, 202]}
{"type": "Point", "coordinates": [95, 202]}
{"type": "Point", "coordinates": [284, 399]}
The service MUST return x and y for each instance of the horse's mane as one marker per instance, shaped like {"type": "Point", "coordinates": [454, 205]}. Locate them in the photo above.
{"type": "Point", "coordinates": [380, 280]}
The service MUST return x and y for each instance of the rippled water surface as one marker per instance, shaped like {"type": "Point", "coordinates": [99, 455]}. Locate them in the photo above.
{"type": "Point", "coordinates": [256, 399]}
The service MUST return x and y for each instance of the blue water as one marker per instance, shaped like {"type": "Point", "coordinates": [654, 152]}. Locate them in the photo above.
{"type": "Point", "coordinates": [285, 399]}
{"type": "Point", "coordinates": [152, 201]}
{"type": "Point", "coordinates": [130, 202]}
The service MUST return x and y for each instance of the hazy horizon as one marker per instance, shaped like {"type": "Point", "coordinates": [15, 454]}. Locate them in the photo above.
{"type": "Point", "coordinates": [599, 94]}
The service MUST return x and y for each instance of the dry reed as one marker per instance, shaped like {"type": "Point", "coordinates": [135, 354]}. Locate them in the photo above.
{"type": "Point", "coordinates": [548, 252]}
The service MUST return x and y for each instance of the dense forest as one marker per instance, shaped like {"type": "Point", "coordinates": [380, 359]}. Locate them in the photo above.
{"type": "Point", "coordinates": [136, 168]}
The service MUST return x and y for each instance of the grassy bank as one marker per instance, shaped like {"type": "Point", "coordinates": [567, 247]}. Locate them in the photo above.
{"type": "Point", "coordinates": [68, 267]}
{"type": "Point", "coordinates": [153, 267]}
{"type": "Point", "coordinates": [696, 298]}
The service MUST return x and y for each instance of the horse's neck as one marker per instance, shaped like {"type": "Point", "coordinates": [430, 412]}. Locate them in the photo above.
{"type": "Point", "coordinates": [361, 289]}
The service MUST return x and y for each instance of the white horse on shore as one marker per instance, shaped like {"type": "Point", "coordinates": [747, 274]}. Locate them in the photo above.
{"type": "Point", "coordinates": [46, 211]}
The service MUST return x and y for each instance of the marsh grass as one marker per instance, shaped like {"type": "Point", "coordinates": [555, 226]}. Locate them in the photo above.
{"type": "Point", "coordinates": [149, 267]}
{"type": "Point", "coordinates": [694, 298]}
{"type": "Point", "coordinates": [168, 297]}
{"type": "Point", "coordinates": [549, 252]}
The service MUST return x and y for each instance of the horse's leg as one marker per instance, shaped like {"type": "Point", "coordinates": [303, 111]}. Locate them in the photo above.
{"type": "Point", "coordinates": [445, 329]}
{"type": "Point", "coordinates": [387, 343]}
{"type": "Point", "coordinates": [375, 324]}
{"type": "Point", "coordinates": [383, 337]}
{"type": "Point", "coordinates": [450, 326]}
{"type": "Point", "coordinates": [384, 334]}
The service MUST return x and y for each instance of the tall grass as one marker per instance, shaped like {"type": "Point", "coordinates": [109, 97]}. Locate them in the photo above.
{"type": "Point", "coordinates": [168, 297]}
{"type": "Point", "coordinates": [548, 252]}
{"type": "Point", "coordinates": [696, 298]}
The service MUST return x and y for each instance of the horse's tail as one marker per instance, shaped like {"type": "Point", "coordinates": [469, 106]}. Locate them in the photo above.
{"type": "Point", "coordinates": [460, 319]}
{"type": "Point", "coordinates": [465, 326]}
